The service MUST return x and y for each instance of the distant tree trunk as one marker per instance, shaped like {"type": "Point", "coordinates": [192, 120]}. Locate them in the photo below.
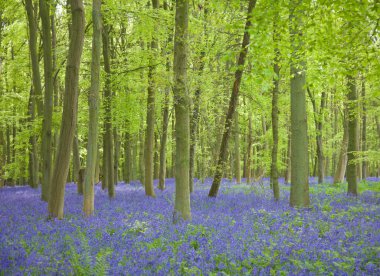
{"type": "Point", "coordinates": [116, 156]}
{"type": "Point", "coordinates": [378, 126]}
{"type": "Point", "coordinates": [299, 190]}
{"type": "Point", "coordinates": [340, 170]}
{"type": "Point", "coordinates": [93, 104]}
{"type": "Point", "coordinates": [69, 115]}
{"type": "Point", "coordinates": [275, 92]}
{"type": "Point", "coordinates": [108, 152]}
{"type": "Point", "coordinates": [164, 138]}
{"type": "Point", "coordinates": [76, 165]}
{"type": "Point", "coordinates": [141, 156]}
{"type": "Point", "coordinates": [33, 157]}
{"type": "Point", "coordinates": [351, 170]}
{"type": "Point", "coordinates": [194, 123]}
{"type": "Point", "coordinates": [181, 104]}
{"type": "Point", "coordinates": [156, 162]}
{"type": "Point", "coordinates": [127, 158]}
{"type": "Point", "coordinates": [233, 102]}
{"type": "Point", "coordinates": [318, 119]}
{"type": "Point", "coordinates": [249, 149]}
{"type": "Point", "coordinates": [48, 102]}
{"type": "Point", "coordinates": [364, 130]}
{"type": "Point", "coordinates": [237, 148]}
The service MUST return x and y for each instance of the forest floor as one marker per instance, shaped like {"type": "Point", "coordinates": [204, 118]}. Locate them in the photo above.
{"type": "Point", "coordinates": [242, 231]}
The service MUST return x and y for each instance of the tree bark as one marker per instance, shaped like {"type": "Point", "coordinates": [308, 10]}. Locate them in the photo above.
{"type": "Point", "coordinates": [249, 149]}
{"type": "Point", "coordinates": [93, 104]}
{"type": "Point", "coordinates": [33, 157]}
{"type": "Point", "coordinates": [364, 131]}
{"type": "Point", "coordinates": [76, 165]}
{"type": "Point", "coordinates": [233, 102]}
{"type": "Point", "coordinates": [48, 101]}
{"type": "Point", "coordinates": [340, 170]}
{"type": "Point", "coordinates": [116, 156]}
{"type": "Point", "coordinates": [108, 165]}
{"type": "Point", "coordinates": [181, 105]}
{"type": "Point", "coordinates": [237, 148]}
{"type": "Point", "coordinates": [299, 190]}
{"type": "Point", "coordinates": [351, 170]}
{"type": "Point", "coordinates": [275, 92]}
{"type": "Point", "coordinates": [69, 115]}
{"type": "Point", "coordinates": [164, 138]}
{"type": "Point", "coordinates": [127, 158]}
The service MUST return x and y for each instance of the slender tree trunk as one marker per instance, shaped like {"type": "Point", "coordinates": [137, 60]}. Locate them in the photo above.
{"type": "Point", "coordinates": [48, 102]}
{"type": "Point", "coordinates": [364, 130]}
{"type": "Point", "coordinates": [342, 161]}
{"type": "Point", "coordinates": [141, 156]}
{"type": "Point", "coordinates": [127, 158]}
{"type": "Point", "coordinates": [237, 148]}
{"type": "Point", "coordinates": [275, 92]}
{"type": "Point", "coordinates": [233, 102]}
{"type": "Point", "coordinates": [116, 156]}
{"type": "Point", "coordinates": [76, 165]}
{"type": "Point", "coordinates": [249, 149]}
{"type": "Point", "coordinates": [156, 162]}
{"type": "Point", "coordinates": [181, 104]}
{"type": "Point", "coordinates": [32, 24]}
{"type": "Point", "coordinates": [299, 190]}
{"type": "Point", "coordinates": [318, 119]}
{"type": "Point", "coordinates": [194, 123]}
{"type": "Point", "coordinates": [164, 138]}
{"type": "Point", "coordinates": [69, 115]}
{"type": "Point", "coordinates": [93, 104]}
{"type": "Point", "coordinates": [351, 170]}
{"type": "Point", "coordinates": [108, 152]}
{"type": "Point", "coordinates": [33, 157]}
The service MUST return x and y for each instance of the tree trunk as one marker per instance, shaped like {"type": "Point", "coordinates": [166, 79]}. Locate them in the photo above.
{"type": "Point", "coordinates": [116, 156]}
{"type": "Point", "coordinates": [141, 156]}
{"type": "Point", "coordinates": [249, 149]}
{"type": "Point", "coordinates": [181, 104]}
{"type": "Point", "coordinates": [32, 24]}
{"type": "Point", "coordinates": [150, 120]}
{"type": "Point", "coordinates": [364, 131]}
{"type": "Point", "coordinates": [69, 115]}
{"type": "Point", "coordinates": [237, 148]}
{"type": "Point", "coordinates": [127, 158]}
{"type": "Point", "coordinates": [351, 170]}
{"type": "Point", "coordinates": [76, 165]}
{"type": "Point", "coordinates": [233, 102]}
{"type": "Point", "coordinates": [48, 101]}
{"type": "Point", "coordinates": [156, 161]}
{"type": "Point", "coordinates": [108, 152]}
{"type": "Point", "coordinates": [33, 157]}
{"type": "Point", "coordinates": [164, 138]}
{"type": "Point", "coordinates": [93, 104]}
{"type": "Point", "coordinates": [318, 119]}
{"type": "Point", "coordinates": [342, 161]}
{"type": "Point", "coordinates": [299, 190]}
{"type": "Point", "coordinates": [275, 92]}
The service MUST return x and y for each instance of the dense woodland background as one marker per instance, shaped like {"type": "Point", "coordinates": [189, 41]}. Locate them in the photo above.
{"type": "Point", "coordinates": [309, 99]}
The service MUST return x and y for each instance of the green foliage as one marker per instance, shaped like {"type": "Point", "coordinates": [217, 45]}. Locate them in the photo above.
{"type": "Point", "coordinates": [82, 261]}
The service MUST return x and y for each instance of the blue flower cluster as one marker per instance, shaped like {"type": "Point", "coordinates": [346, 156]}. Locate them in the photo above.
{"type": "Point", "coordinates": [241, 232]}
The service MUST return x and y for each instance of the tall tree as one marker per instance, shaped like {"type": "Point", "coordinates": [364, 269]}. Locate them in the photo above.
{"type": "Point", "coordinates": [108, 152]}
{"type": "Point", "coordinates": [48, 100]}
{"type": "Point", "coordinates": [275, 92]}
{"type": "Point", "coordinates": [299, 190]}
{"type": "Point", "coordinates": [351, 170]}
{"type": "Point", "coordinates": [340, 170]}
{"type": "Point", "coordinates": [150, 118]}
{"type": "Point", "coordinates": [233, 102]}
{"type": "Point", "coordinates": [69, 115]}
{"type": "Point", "coordinates": [93, 103]}
{"type": "Point", "coordinates": [181, 105]}
{"type": "Point", "coordinates": [364, 129]}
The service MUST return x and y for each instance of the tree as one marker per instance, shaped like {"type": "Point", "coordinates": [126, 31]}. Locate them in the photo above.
{"type": "Point", "coordinates": [93, 103]}
{"type": "Point", "coordinates": [299, 190]}
{"type": "Point", "coordinates": [351, 170]}
{"type": "Point", "coordinates": [275, 92]}
{"type": "Point", "coordinates": [181, 106]}
{"type": "Point", "coordinates": [48, 100]}
{"type": "Point", "coordinates": [70, 107]}
{"type": "Point", "coordinates": [233, 102]}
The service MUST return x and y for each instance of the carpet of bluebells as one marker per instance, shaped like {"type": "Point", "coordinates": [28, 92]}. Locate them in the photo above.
{"type": "Point", "coordinates": [241, 232]}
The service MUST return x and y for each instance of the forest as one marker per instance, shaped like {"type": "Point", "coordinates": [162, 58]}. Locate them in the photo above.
{"type": "Point", "coordinates": [177, 137]}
